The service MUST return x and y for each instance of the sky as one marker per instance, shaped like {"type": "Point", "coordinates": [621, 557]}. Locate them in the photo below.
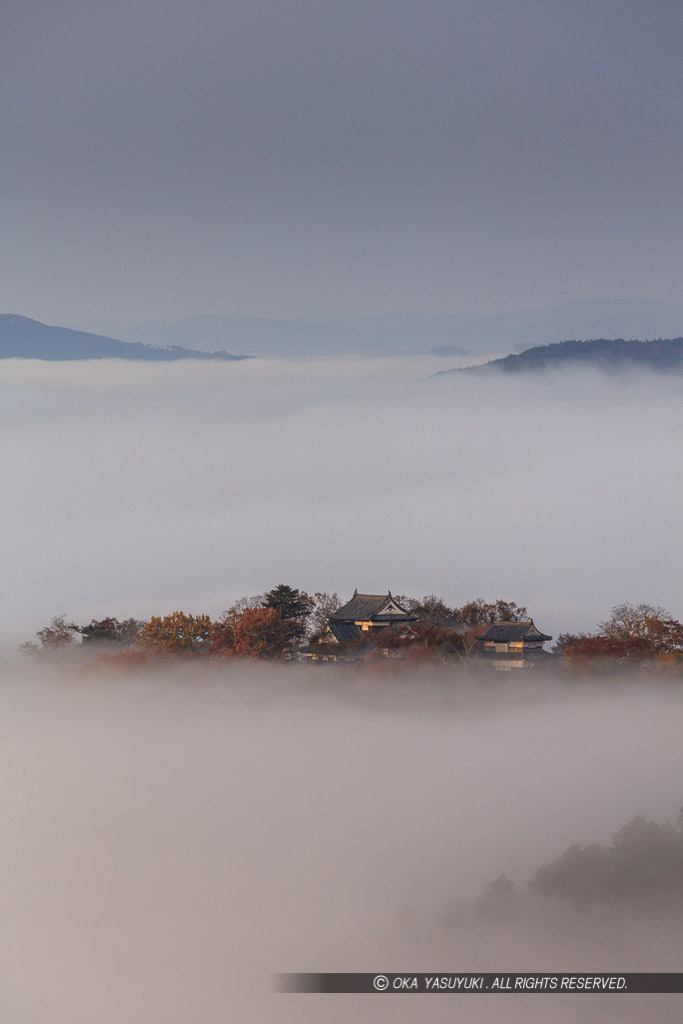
{"type": "Point", "coordinates": [140, 489]}
{"type": "Point", "coordinates": [296, 158]}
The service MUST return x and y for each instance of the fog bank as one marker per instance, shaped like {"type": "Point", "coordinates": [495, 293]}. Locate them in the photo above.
{"type": "Point", "coordinates": [138, 490]}
{"type": "Point", "coordinates": [173, 840]}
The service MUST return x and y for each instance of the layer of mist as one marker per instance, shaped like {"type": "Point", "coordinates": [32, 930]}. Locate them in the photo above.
{"type": "Point", "coordinates": [175, 838]}
{"type": "Point", "coordinates": [139, 490]}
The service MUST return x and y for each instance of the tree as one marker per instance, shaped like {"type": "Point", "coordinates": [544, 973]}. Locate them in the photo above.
{"type": "Point", "coordinates": [479, 612]}
{"type": "Point", "coordinates": [646, 856]}
{"type": "Point", "coordinates": [497, 900]}
{"type": "Point", "coordinates": [644, 860]}
{"type": "Point", "coordinates": [254, 632]}
{"type": "Point", "coordinates": [627, 620]}
{"type": "Point", "coordinates": [324, 605]}
{"type": "Point", "coordinates": [111, 631]}
{"type": "Point", "coordinates": [633, 636]}
{"type": "Point", "coordinates": [585, 653]}
{"type": "Point", "coordinates": [434, 610]}
{"type": "Point", "coordinates": [222, 633]}
{"type": "Point", "coordinates": [442, 641]}
{"type": "Point", "coordinates": [55, 637]}
{"type": "Point", "coordinates": [294, 606]}
{"type": "Point", "coordinates": [244, 602]}
{"type": "Point", "coordinates": [263, 633]}
{"type": "Point", "coordinates": [508, 611]}
{"type": "Point", "coordinates": [468, 651]}
{"type": "Point", "coordinates": [579, 875]}
{"type": "Point", "coordinates": [420, 643]}
{"type": "Point", "coordinates": [176, 633]}
{"type": "Point", "coordinates": [654, 626]}
{"type": "Point", "coordinates": [289, 602]}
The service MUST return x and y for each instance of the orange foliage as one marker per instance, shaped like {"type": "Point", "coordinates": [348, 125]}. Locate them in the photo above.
{"type": "Point", "coordinates": [254, 632]}
{"type": "Point", "coordinates": [176, 632]}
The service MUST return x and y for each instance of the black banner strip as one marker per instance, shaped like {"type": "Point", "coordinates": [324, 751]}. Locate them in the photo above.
{"type": "Point", "coordinates": [428, 982]}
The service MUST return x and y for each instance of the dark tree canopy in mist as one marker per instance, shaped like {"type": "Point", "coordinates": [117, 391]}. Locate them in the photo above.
{"type": "Point", "coordinates": [111, 631]}
{"type": "Point", "coordinates": [643, 862]}
{"type": "Point", "coordinates": [664, 355]}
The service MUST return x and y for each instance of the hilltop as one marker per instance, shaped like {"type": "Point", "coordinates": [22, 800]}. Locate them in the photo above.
{"type": "Point", "coordinates": [663, 355]}
{"type": "Point", "coordinates": [23, 338]}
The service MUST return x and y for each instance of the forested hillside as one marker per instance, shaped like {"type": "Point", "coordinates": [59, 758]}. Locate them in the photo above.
{"type": "Point", "coordinates": [663, 355]}
{"type": "Point", "coordinates": [22, 338]}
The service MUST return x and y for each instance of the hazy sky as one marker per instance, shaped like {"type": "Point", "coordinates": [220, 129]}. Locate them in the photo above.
{"type": "Point", "coordinates": [286, 157]}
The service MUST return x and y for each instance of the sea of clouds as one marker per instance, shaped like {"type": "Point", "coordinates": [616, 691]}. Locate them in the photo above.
{"type": "Point", "coordinates": [174, 839]}
{"type": "Point", "coordinates": [132, 489]}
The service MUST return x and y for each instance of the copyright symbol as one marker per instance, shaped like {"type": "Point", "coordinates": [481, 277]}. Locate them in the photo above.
{"type": "Point", "coordinates": [380, 982]}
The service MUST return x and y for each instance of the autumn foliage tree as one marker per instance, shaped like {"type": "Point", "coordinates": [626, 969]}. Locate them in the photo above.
{"type": "Point", "coordinates": [57, 636]}
{"type": "Point", "coordinates": [253, 632]}
{"type": "Point", "coordinates": [420, 643]}
{"type": "Point", "coordinates": [264, 633]}
{"type": "Point", "coordinates": [176, 633]}
{"type": "Point", "coordinates": [653, 626]}
{"type": "Point", "coordinates": [584, 653]}
{"type": "Point", "coordinates": [631, 638]}
{"type": "Point", "coordinates": [271, 625]}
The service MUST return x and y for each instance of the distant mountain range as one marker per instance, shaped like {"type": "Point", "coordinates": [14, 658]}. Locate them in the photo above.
{"type": "Point", "coordinates": [403, 332]}
{"type": "Point", "coordinates": [407, 332]}
{"type": "Point", "coordinates": [664, 355]}
{"type": "Point", "coordinates": [22, 338]}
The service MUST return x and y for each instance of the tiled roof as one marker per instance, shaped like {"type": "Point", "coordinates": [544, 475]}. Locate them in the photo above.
{"type": "Point", "coordinates": [511, 632]}
{"type": "Point", "coordinates": [361, 606]}
{"type": "Point", "coordinates": [398, 617]}
{"type": "Point", "coordinates": [366, 607]}
{"type": "Point", "coordinates": [345, 632]}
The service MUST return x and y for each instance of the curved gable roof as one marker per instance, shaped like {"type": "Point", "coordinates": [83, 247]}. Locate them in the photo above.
{"type": "Point", "coordinates": [509, 632]}
{"type": "Point", "coordinates": [371, 608]}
